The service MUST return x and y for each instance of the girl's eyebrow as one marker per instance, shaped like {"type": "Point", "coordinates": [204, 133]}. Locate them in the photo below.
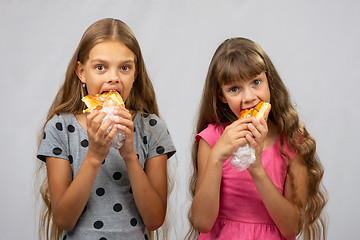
{"type": "Point", "coordinates": [126, 61]}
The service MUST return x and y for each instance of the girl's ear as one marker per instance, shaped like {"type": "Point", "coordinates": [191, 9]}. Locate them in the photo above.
{"type": "Point", "coordinates": [79, 70]}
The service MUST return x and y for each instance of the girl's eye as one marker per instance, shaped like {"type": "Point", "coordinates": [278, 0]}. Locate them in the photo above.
{"type": "Point", "coordinates": [100, 67]}
{"type": "Point", "coordinates": [125, 68]}
{"type": "Point", "coordinates": [256, 82]}
{"type": "Point", "coordinates": [233, 89]}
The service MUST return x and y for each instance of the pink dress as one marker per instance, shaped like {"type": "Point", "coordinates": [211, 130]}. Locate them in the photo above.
{"type": "Point", "coordinates": [242, 213]}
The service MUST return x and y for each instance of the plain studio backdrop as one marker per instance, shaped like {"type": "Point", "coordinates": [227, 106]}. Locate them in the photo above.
{"type": "Point", "coordinates": [315, 45]}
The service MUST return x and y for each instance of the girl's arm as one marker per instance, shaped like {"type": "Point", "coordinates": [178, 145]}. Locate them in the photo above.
{"type": "Point", "coordinates": [205, 206]}
{"type": "Point", "coordinates": [149, 188]}
{"type": "Point", "coordinates": [282, 209]}
{"type": "Point", "coordinates": [69, 196]}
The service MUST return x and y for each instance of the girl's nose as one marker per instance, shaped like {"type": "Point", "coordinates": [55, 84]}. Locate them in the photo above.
{"type": "Point", "coordinates": [114, 77]}
{"type": "Point", "coordinates": [249, 95]}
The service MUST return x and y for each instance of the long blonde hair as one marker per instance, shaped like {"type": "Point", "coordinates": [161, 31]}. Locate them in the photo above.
{"type": "Point", "coordinates": [239, 59]}
{"type": "Point", "coordinates": [68, 99]}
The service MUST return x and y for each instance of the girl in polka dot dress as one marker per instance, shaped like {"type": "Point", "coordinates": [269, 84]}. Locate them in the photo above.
{"type": "Point", "coordinates": [93, 191]}
{"type": "Point", "coordinates": [280, 195]}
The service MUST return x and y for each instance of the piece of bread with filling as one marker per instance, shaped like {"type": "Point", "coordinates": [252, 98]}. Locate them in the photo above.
{"type": "Point", "coordinates": [100, 101]}
{"type": "Point", "coordinates": [258, 111]}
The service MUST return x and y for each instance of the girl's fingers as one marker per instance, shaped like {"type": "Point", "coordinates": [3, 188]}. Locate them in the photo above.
{"type": "Point", "coordinates": [104, 127]}
{"type": "Point", "coordinates": [89, 119]}
{"type": "Point", "coordinates": [112, 133]}
{"type": "Point", "coordinates": [238, 126]}
{"type": "Point", "coordinates": [97, 128]}
{"type": "Point", "coordinates": [254, 131]}
{"type": "Point", "coordinates": [94, 119]}
{"type": "Point", "coordinates": [259, 131]}
{"type": "Point", "coordinates": [125, 122]}
{"type": "Point", "coordinates": [242, 141]}
{"type": "Point", "coordinates": [122, 112]}
{"type": "Point", "coordinates": [240, 122]}
{"type": "Point", "coordinates": [260, 125]}
{"type": "Point", "coordinates": [251, 140]}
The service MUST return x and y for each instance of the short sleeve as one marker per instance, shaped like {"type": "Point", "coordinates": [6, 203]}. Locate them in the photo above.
{"type": "Point", "coordinates": [54, 142]}
{"type": "Point", "coordinates": [211, 134]}
{"type": "Point", "coordinates": [159, 138]}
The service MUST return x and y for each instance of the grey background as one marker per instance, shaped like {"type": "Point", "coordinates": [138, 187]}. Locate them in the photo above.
{"type": "Point", "coordinates": [313, 44]}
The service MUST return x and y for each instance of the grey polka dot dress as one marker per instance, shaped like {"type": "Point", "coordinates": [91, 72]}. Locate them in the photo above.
{"type": "Point", "coordinates": [110, 212]}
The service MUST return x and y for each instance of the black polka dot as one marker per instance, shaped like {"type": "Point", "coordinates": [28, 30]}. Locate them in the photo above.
{"type": "Point", "coordinates": [117, 207]}
{"type": "Point", "coordinates": [71, 128]}
{"type": "Point", "coordinates": [65, 237]}
{"type": "Point", "coordinates": [84, 143]}
{"type": "Point", "coordinates": [100, 192]}
{"type": "Point", "coordinates": [103, 162]}
{"type": "Point", "coordinates": [160, 150]}
{"type": "Point", "coordinates": [98, 224]}
{"type": "Point", "coordinates": [59, 126]}
{"type": "Point", "coordinates": [70, 159]}
{"type": "Point", "coordinates": [152, 122]}
{"type": "Point", "coordinates": [102, 238]}
{"type": "Point", "coordinates": [133, 222]}
{"type": "Point", "coordinates": [117, 176]}
{"type": "Point", "coordinates": [130, 190]}
{"type": "Point", "coordinates": [146, 237]}
{"type": "Point", "coordinates": [138, 156]}
{"type": "Point", "coordinates": [134, 129]}
{"type": "Point", "coordinates": [57, 151]}
{"type": "Point", "coordinates": [145, 140]}
{"type": "Point", "coordinates": [145, 115]}
{"type": "Point", "coordinates": [44, 136]}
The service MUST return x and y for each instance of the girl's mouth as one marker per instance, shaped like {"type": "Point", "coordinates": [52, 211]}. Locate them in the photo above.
{"type": "Point", "coordinates": [111, 91]}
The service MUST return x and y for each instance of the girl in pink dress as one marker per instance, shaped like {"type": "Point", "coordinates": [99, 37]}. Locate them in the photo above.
{"type": "Point", "coordinates": [280, 195]}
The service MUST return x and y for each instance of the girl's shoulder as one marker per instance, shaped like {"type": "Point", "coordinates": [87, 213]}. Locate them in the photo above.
{"type": "Point", "coordinates": [56, 136]}
{"type": "Point", "coordinates": [65, 116]}
{"type": "Point", "coordinates": [62, 120]}
{"type": "Point", "coordinates": [152, 132]}
{"type": "Point", "coordinates": [145, 120]}
{"type": "Point", "coordinates": [211, 133]}
{"type": "Point", "coordinates": [150, 125]}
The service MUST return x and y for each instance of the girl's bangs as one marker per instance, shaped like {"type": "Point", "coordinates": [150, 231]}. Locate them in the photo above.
{"type": "Point", "coordinates": [237, 66]}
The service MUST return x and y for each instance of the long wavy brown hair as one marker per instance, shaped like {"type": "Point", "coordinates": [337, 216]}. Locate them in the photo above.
{"type": "Point", "coordinates": [240, 59]}
{"type": "Point", "coordinates": [68, 99]}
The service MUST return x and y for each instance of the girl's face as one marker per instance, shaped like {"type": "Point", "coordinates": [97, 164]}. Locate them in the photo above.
{"type": "Point", "coordinates": [110, 66]}
{"type": "Point", "coordinates": [245, 94]}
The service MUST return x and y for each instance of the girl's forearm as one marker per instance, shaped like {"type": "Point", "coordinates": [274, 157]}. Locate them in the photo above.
{"type": "Point", "coordinates": [283, 212]}
{"type": "Point", "coordinates": [150, 203]}
{"type": "Point", "coordinates": [205, 206]}
{"type": "Point", "coordinates": [69, 206]}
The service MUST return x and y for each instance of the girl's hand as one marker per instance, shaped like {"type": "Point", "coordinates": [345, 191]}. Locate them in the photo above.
{"type": "Point", "coordinates": [126, 124]}
{"type": "Point", "coordinates": [258, 130]}
{"type": "Point", "coordinates": [232, 138]}
{"type": "Point", "coordinates": [99, 141]}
